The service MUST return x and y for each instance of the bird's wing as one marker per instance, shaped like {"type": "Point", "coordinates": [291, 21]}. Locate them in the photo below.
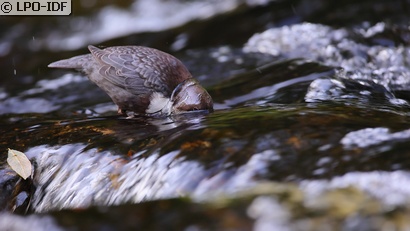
{"type": "Point", "coordinates": [140, 70]}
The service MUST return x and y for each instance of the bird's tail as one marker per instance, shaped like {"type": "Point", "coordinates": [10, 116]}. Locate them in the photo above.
{"type": "Point", "coordinates": [77, 62]}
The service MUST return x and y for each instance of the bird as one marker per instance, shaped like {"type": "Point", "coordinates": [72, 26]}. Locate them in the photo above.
{"type": "Point", "coordinates": [141, 80]}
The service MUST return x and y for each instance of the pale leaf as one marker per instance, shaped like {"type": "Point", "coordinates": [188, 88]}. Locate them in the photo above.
{"type": "Point", "coordinates": [19, 162]}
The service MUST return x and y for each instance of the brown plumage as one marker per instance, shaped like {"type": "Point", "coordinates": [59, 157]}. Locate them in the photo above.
{"type": "Point", "coordinates": [141, 80]}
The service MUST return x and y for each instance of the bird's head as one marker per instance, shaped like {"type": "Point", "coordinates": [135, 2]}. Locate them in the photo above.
{"type": "Point", "coordinates": [190, 96]}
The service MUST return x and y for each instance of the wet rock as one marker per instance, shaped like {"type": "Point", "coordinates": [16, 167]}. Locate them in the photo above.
{"type": "Point", "coordinates": [8, 184]}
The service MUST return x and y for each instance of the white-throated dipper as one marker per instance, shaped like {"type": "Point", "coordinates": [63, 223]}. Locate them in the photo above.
{"type": "Point", "coordinates": [141, 80]}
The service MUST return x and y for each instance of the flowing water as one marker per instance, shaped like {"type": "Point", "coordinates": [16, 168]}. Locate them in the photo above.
{"type": "Point", "coordinates": [311, 127]}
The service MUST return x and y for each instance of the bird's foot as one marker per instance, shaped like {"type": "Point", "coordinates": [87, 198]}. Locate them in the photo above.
{"type": "Point", "coordinates": [128, 115]}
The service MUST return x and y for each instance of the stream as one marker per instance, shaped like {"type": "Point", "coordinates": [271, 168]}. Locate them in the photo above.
{"type": "Point", "coordinates": [310, 131]}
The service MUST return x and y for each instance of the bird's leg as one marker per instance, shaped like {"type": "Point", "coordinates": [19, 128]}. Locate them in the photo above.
{"type": "Point", "coordinates": [122, 111]}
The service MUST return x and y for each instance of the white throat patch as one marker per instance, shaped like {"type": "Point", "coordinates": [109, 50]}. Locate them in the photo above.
{"type": "Point", "coordinates": [159, 103]}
